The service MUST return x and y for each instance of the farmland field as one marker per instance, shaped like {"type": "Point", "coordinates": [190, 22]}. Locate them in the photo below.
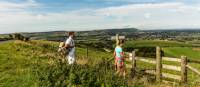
{"type": "Point", "coordinates": [190, 52]}
{"type": "Point", "coordinates": [153, 43]}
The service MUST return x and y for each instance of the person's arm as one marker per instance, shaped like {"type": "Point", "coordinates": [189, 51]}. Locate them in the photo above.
{"type": "Point", "coordinates": [122, 54]}
{"type": "Point", "coordinates": [67, 46]}
{"type": "Point", "coordinates": [114, 54]}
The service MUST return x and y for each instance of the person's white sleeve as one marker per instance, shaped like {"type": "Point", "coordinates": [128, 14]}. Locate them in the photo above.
{"type": "Point", "coordinates": [68, 41]}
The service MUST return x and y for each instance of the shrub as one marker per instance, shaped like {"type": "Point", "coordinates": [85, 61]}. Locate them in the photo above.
{"type": "Point", "coordinates": [18, 36]}
{"type": "Point", "coordinates": [60, 75]}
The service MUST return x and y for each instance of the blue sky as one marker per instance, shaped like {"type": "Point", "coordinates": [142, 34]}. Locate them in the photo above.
{"type": "Point", "coordinates": [53, 15]}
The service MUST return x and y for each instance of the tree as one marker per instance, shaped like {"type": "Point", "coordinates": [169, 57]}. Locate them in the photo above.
{"type": "Point", "coordinates": [18, 36]}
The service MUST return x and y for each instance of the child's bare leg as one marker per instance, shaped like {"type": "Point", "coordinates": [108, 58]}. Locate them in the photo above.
{"type": "Point", "coordinates": [115, 65]}
{"type": "Point", "coordinates": [124, 71]}
{"type": "Point", "coordinates": [117, 72]}
{"type": "Point", "coordinates": [117, 69]}
{"type": "Point", "coordinates": [121, 71]}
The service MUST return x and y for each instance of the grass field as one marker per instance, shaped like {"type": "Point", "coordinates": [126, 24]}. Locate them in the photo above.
{"type": "Point", "coordinates": [190, 52]}
{"type": "Point", "coordinates": [170, 48]}
{"type": "Point", "coordinates": [20, 61]}
{"type": "Point", "coordinates": [4, 36]}
{"type": "Point", "coordinates": [154, 43]}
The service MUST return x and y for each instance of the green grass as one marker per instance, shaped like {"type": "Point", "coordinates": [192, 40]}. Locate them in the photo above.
{"type": "Point", "coordinates": [179, 51]}
{"type": "Point", "coordinates": [4, 36]}
{"type": "Point", "coordinates": [154, 43]}
{"type": "Point", "coordinates": [19, 61]}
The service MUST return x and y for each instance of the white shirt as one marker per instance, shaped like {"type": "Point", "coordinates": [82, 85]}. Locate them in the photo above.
{"type": "Point", "coordinates": [70, 41]}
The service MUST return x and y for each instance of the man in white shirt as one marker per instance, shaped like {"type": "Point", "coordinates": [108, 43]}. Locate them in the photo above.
{"type": "Point", "coordinates": [70, 45]}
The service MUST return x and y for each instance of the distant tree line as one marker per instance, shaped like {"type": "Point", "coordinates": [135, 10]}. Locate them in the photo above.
{"type": "Point", "coordinates": [18, 36]}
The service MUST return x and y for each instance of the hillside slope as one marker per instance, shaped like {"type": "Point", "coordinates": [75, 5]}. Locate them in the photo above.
{"type": "Point", "coordinates": [20, 61]}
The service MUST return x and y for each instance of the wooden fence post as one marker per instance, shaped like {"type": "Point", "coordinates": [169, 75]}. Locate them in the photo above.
{"type": "Point", "coordinates": [133, 69]}
{"type": "Point", "coordinates": [87, 51]}
{"type": "Point", "coordinates": [133, 60]}
{"type": "Point", "coordinates": [183, 69]}
{"type": "Point", "coordinates": [158, 64]}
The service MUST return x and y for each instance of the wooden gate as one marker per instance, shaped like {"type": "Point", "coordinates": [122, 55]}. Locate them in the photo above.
{"type": "Point", "coordinates": [158, 72]}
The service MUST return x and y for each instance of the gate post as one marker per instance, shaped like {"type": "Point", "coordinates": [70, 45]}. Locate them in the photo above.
{"type": "Point", "coordinates": [133, 69]}
{"type": "Point", "coordinates": [133, 60]}
{"type": "Point", "coordinates": [183, 70]}
{"type": "Point", "coordinates": [158, 64]}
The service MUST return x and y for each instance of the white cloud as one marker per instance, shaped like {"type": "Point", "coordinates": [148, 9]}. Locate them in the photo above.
{"type": "Point", "coordinates": [147, 15]}
{"type": "Point", "coordinates": [31, 1]}
{"type": "Point", "coordinates": [143, 16]}
{"type": "Point", "coordinates": [126, 10]}
{"type": "Point", "coordinates": [134, 1]}
{"type": "Point", "coordinates": [165, 15]}
{"type": "Point", "coordinates": [10, 6]}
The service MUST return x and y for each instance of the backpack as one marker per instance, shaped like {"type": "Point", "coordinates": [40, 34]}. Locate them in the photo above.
{"type": "Point", "coordinates": [62, 50]}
